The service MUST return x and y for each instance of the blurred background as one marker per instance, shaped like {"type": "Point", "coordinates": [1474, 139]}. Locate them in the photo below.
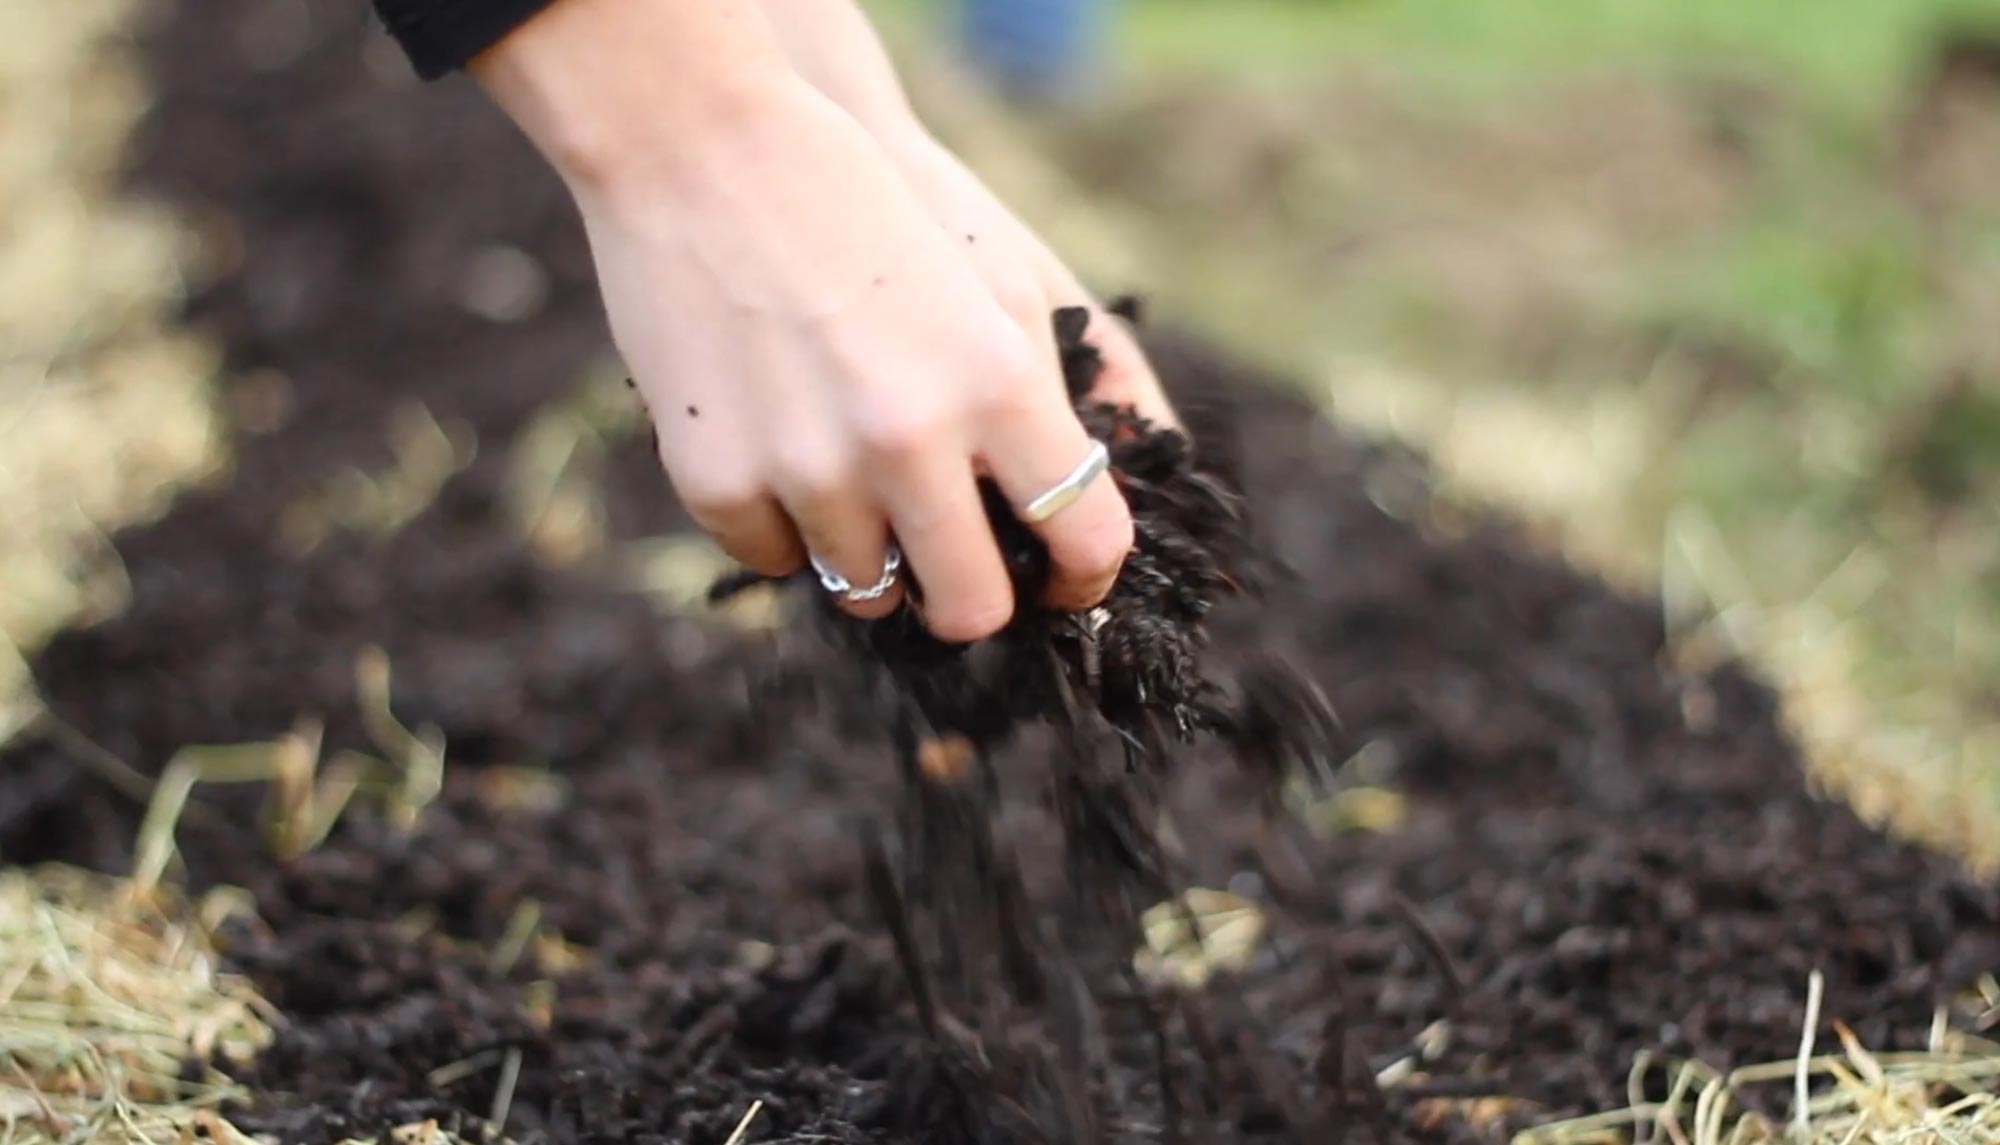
{"type": "Point", "coordinates": [1707, 290]}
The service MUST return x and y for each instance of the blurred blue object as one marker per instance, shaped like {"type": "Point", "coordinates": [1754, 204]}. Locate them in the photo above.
{"type": "Point", "coordinates": [1036, 48]}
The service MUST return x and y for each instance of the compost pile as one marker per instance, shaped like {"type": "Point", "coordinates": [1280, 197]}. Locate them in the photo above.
{"type": "Point", "coordinates": [1596, 853]}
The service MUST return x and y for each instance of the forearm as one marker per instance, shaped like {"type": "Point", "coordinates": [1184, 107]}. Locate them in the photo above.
{"type": "Point", "coordinates": [606, 86]}
{"type": "Point", "coordinates": [539, 57]}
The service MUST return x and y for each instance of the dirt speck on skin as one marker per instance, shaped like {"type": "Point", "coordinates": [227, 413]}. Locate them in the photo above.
{"type": "Point", "coordinates": [786, 881]}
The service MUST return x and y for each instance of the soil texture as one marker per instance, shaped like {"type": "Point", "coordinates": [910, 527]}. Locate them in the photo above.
{"type": "Point", "coordinates": [1598, 852]}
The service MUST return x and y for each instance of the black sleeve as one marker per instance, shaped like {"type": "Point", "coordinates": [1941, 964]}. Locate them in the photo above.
{"type": "Point", "coordinates": [439, 36]}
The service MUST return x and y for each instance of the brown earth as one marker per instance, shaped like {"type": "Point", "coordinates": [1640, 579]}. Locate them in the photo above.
{"type": "Point", "coordinates": [1601, 854]}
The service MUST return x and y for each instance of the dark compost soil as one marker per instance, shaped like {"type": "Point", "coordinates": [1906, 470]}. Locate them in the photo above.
{"type": "Point", "coordinates": [1602, 854]}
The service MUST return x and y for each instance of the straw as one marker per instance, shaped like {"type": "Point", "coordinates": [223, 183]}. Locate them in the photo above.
{"type": "Point", "coordinates": [1948, 1094]}
{"type": "Point", "coordinates": [104, 997]}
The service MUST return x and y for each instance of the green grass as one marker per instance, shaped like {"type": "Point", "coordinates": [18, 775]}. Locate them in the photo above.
{"type": "Point", "coordinates": [1849, 53]}
{"type": "Point", "coordinates": [1849, 47]}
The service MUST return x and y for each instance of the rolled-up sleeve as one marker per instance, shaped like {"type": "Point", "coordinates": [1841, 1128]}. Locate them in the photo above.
{"type": "Point", "coordinates": [440, 36]}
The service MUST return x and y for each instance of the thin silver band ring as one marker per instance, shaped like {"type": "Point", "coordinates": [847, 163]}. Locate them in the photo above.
{"type": "Point", "coordinates": [1066, 491]}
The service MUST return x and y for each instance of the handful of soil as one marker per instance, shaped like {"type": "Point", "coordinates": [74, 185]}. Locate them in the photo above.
{"type": "Point", "coordinates": [1031, 979]}
{"type": "Point", "coordinates": [1135, 660]}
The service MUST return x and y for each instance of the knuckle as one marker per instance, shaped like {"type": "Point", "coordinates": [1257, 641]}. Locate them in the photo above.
{"type": "Point", "coordinates": [1015, 401]}
{"type": "Point", "coordinates": [814, 476]}
{"type": "Point", "coordinates": [1104, 549]}
{"type": "Point", "coordinates": [1011, 361]}
{"type": "Point", "coordinates": [720, 496]}
{"type": "Point", "coordinates": [1017, 292]}
{"type": "Point", "coordinates": [1094, 555]}
{"type": "Point", "coordinates": [899, 433]}
{"type": "Point", "coordinates": [899, 437]}
{"type": "Point", "coordinates": [1008, 379]}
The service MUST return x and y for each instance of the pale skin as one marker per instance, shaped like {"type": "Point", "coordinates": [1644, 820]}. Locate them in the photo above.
{"type": "Point", "coordinates": [836, 326]}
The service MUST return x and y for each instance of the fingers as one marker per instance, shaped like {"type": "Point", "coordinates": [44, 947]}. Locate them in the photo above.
{"type": "Point", "coordinates": [917, 485]}
{"type": "Point", "coordinates": [917, 490]}
{"type": "Point", "coordinates": [752, 529]}
{"type": "Point", "coordinates": [1031, 439]}
{"type": "Point", "coordinates": [1031, 448]}
{"type": "Point", "coordinates": [844, 527]}
{"type": "Point", "coordinates": [1128, 378]}
{"type": "Point", "coordinates": [933, 501]}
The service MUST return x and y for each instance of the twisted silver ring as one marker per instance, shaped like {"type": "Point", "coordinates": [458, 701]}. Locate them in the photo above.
{"type": "Point", "coordinates": [1069, 488]}
{"type": "Point", "coordinates": [840, 586]}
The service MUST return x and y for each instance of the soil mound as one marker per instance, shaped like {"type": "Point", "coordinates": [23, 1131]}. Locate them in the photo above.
{"type": "Point", "coordinates": [1595, 855]}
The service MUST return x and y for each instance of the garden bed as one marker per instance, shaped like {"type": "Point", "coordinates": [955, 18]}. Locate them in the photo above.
{"type": "Point", "coordinates": [639, 903]}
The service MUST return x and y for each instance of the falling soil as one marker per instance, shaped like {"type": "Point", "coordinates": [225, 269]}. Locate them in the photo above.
{"type": "Point", "coordinates": [705, 891]}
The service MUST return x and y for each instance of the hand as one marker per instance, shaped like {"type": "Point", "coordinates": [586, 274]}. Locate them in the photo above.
{"type": "Point", "coordinates": [1001, 246]}
{"type": "Point", "coordinates": [832, 44]}
{"type": "Point", "coordinates": [826, 366]}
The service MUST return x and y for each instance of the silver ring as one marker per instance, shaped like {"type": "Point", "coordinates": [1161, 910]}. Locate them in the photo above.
{"type": "Point", "coordinates": [840, 586]}
{"type": "Point", "coordinates": [1069, 488]}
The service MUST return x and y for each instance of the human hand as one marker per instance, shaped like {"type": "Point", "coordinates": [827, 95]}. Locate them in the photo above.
{"type": "Point", "coordinates": [828, 369]}
{"type": "Point", "coordinates": [833, 46]}
{"type": "Point", "coordinates": [1002, 246]}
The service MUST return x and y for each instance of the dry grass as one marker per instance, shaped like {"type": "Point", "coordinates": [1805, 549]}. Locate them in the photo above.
{"type": "Point", "coordinates": [104, 996]}
{"type": "Point", "coordinates": [1949, 1094]}
{"type": "Point", "coordinates": [106, 993]}
{"type": "Point", "coordinates": [556, 465]}
{"type": "Point", "coordinates": [110, 988]}
{"type": "Point", "coordinates": [1191, 938]}
{"type": "Point", "coordinates": [554, 497]}
{"type": "Point", "coordinates": [306, 792]}
{"type": "Point", "coordinates": [104, 410]}
{"type": "Point", "coordinates": [427, 454]}
{"type": "Point", "coordinates": [743, 1127]}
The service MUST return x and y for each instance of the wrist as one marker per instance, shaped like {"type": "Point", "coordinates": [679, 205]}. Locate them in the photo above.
{"type": "Point", "coordinates": [835, 48]}
{"type": "Point", "coordinates": [621, 91]}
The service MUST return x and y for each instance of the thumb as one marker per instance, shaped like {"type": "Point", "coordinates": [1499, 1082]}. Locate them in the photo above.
{"type": "Point", "coordinates": [1127, 378]}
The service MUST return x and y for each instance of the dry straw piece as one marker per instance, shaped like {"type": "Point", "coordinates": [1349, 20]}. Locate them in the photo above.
{"type": "Point", "coordinates": [1197, 935]}
{"type": "Point", "coordinates": [1948, 1094]}
{"type": "Point", "coordinates": [104, 407]}
{"type": "Point", "coordinates": [305, 796]}
{"type": "Point", "coordinates": [104, 999]}
{"type": "Point", "coordinates": [106, 995]}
